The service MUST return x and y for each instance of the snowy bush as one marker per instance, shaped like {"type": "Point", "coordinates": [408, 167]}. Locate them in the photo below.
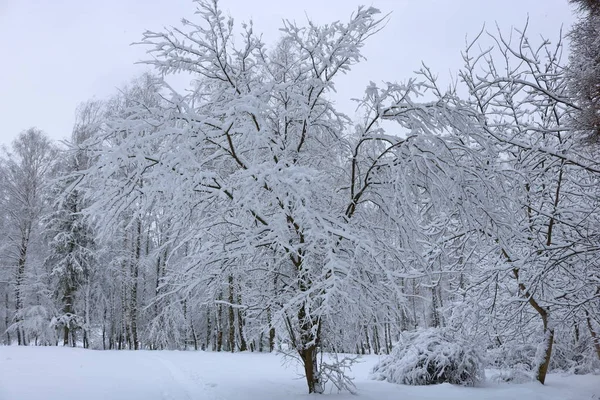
{"type": "Point", "coordinates": [575, 357]}
{"type": "Point", "coordinates": [511, 376]}
{"type": "Point", "coordinates": [431, 356]}
{"type": "Point", "coordinates": [34, 321]}
{"type": "Point", "coordinates": [518, 357]}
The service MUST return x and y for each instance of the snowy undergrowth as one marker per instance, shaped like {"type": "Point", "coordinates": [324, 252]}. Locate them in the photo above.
{"type": "Point", "coordinates": [56, 373]}
{"type": "Point", "coordinates": [516, 376]}
{"type": "Point", "coordinates": [432, 356]}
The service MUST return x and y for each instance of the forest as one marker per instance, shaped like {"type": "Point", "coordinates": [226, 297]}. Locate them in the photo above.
{"type": "Point", "coordinates": [247, 213]}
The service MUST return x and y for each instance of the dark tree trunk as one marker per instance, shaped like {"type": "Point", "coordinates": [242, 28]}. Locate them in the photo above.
{"type": "Point", "coordinates": [271, 331]}
{"type": "Point", "coordinates": [543, 367]}
{"type": "Point", "coordinates": [308, 349]}
{"type": "Point", "coordinates": [219, 324]}
{"type": "Point", "coordinates": [6, 319]}
{"type": "Point", "coordinates": [595, 338]}
{"type": "Point", "coordinates": [387, 338]}
{"type": "Point", "coordinates": [414, 304]}
{"type": "Point", "coordinates": [367, 340]}
{"type": "Point", "coordinates": [67, 310]}
{"type": "Point", "coordinates": [243, 343]}
{"type": "Point", "coordinates": [376, 345]}
{"type": "Point", "coordinates": [435, 316]}
{"type": "Point", "coordinates": [135, 269]}
{"type": "Point", "coordinates": [208, 330]}
{"type": "Point", "coordinates": [103, 336]}
{"type": "Point", "coordinates": [19, 285]}
{"type": "Point", "coordinates": [124, 328]}
{"type": "Point", "coordinates": [231, 338]}
{"type": "Point", "coordinates": [194, 336]}
{"type": "Point", "coordinates": [241, 323]}
{"type": "Point", "coordinates": [309, 358]}
{"type": "Point", "coordinates": [66, 335]}
{"type": "Point", "coordinates": [548, 332]}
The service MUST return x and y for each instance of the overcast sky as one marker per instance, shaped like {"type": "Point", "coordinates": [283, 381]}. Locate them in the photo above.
{"type": "Point", "coordinates": [55, 54]}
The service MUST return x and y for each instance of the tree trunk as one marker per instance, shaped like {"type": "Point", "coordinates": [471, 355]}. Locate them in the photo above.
{"type": "Point", "coordinates": [86, 314]}
{"type": "Point", "coordinates": [548, 332]}
{"type": "Point", "coordinates": [104, 330]}
{"type": "Point", "coordinates": [435, 316]}
{"type": "Point", "coordinates": [595, 338]}
{"type": "Point", "coordinates": [388, 338]}
{"type": "Point", "coordinates": [376, 344]}
{"type": "Point", "coordinates": [66, 335]}
{"type": "Point", "coordinates": [6, 318]}
{"type": "Point", "coordinates": [243, 343]}
{"type": "Point", "coordinates": [19, 285]}
{"type": "Point", "coordinates": [124, 328]}
{"type": "Point", "coordinates": [271, 331]}
{"type": "Point", "coordinates": [194, 336]}
{"type": "Point", "coordinates": [308, 349]}
{"type": "Point", "coordinates": [208, 330]}
{"type": "Point", "coordinates": [413, 298]}
{"type": "Point", "coordinates": [67, 311]}
{"type": "Point", "coordinates": [219, 324]}
{"type": "Point", "coordinates": [548, 342]}
{"type": "Point", "coordinates": [135, 269]}
{"type": "Point", "coordinates": [309, 358]}
{"type": "Point", "coordinates": [241, 322]}
{"type": "Point", "coordinates": [367, 340]}
{"type": "Point", "coordinates": [231, 338]}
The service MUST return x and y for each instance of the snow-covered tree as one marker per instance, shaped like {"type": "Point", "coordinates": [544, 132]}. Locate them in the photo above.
{"type": "Point", "coordinates": [263, 180]}
{"type": "Point", "coordinates": [247, 212]}
{"type": "Point", "coordinates": [71, 238]}
{"type": "Point", "coordinates": [584, 66]}
{"type": "Point", "coordinates": [26, 168]}
{"type": "Point", "coordinates": [545, 238]}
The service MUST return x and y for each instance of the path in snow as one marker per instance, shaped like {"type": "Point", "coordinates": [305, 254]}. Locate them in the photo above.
{"type": "Point", "coordinates": [183, 385]}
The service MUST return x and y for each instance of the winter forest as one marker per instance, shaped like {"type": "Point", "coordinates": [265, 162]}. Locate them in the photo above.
{"type": "Point", "coordinates": [247, 213]}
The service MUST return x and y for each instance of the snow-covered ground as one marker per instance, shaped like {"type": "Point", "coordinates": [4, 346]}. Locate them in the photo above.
{"type": "Point", "coordinates": [55, 373]}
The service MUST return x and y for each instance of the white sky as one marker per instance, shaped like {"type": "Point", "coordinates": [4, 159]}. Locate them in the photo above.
{"type": "Point", "coordinates": [55, 54]}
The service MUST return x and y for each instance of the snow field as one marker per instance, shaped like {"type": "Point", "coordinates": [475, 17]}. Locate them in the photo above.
{"type": "Point", "coordinates": [56, 373]}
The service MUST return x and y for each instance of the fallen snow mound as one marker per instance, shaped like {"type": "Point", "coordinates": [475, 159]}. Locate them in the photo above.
{"type": "Point", "coordinates": [431, 356]}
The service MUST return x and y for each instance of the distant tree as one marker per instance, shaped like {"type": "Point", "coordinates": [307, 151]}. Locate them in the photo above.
{"type": "Point", "coordinates": [584, 68]}
{"type": "Point", "coordinates": [26, 168]}
{"type": "Point", "coordinates": [71, 238]}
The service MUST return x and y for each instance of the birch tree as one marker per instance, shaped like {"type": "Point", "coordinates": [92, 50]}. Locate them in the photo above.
{"type": "Point", "coordinates": [26, 169]}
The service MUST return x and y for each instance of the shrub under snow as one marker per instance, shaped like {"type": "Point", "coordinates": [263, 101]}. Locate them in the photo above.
{"type": "Point", "coordinates": [431, 356]}
{"type": "Point", "coordinates": [517, 376]}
